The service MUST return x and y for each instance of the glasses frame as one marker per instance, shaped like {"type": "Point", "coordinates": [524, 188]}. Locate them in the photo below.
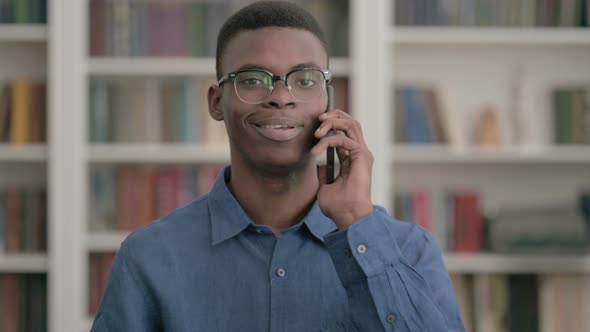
{"type": "Point", "coordinates": [231, 77]}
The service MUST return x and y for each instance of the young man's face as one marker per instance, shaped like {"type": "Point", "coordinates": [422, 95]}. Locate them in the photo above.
{"type": "Point", "coordinates": [276, 134]}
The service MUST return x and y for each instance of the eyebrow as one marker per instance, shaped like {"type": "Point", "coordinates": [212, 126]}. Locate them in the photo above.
{"type": "Point", "coordinates": [299, 66]}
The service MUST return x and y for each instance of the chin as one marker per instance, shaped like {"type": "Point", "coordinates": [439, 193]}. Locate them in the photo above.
{"type": "Point", "coordinates": [282, 164]}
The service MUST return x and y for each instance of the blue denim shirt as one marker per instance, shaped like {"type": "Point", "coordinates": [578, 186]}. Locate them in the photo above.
{"type": "Point", "coordinates": [208, 267]}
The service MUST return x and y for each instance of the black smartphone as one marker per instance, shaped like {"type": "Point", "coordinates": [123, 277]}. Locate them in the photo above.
{"type": "Point", "coordinates": [330, 150]}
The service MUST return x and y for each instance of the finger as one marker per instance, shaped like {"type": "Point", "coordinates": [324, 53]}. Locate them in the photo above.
{"type": "Point", "coordinates": [322, 174]}
{"type": "Point", "coordinates": [337, 141]}
{"type": "Point", "coordinates": [342, 154]}
{"type": "Point", "coordinates": [349, 126]}
{"type": "Point", "coordinates": [336, 113]}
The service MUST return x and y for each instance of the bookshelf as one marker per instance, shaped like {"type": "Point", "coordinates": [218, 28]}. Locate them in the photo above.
{"type": "Point", "coordinates": [26, 253]}
{"type": "Point", "coordinates": [22, 153]}
{"type": "Point", "coordinates": [525, 36]}
{"type": "Point", "coordinates": [23, 32]}
{"type": "Point", "coordinates": [174, 66]}
{"type": "Point", "coordinates": [24, 263]}
{"type": "Point", "coordinates": [471, 65]}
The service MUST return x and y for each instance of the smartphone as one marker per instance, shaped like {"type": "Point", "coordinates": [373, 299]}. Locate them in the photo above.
{"type": "Point", "coordinates": [330, 150]}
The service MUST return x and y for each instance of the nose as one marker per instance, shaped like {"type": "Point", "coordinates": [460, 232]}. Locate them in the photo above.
{"type": "Point", "coordinates": [280, 97]}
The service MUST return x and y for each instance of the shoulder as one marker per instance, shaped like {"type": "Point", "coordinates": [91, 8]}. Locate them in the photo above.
{"type": "Point", "coordinates": [187, 224]}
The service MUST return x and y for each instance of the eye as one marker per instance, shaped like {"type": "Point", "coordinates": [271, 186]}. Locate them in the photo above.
{"type": "Point", "coordinates": [251, 81]}
{"type": "Point", "coordinates": [306, 83]}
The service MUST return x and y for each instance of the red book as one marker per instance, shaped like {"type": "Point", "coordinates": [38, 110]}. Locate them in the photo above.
{"type": "Point", "coordinates": [9, 287]}
{"type": "Point", "coordinates": [422, 213]}
{"type": "Point", "coordinates": [146, 193]}
{"type": "Point", "coordinates": [125, 192]}
{"type": "Point", "coordinates": [169, 190]}
{"type": "Point", "coordinates": [106, 262]}
{"type": "Point", "coordinates": [468, 222]}
{"type": "Point", "coordinates": [97, 27]}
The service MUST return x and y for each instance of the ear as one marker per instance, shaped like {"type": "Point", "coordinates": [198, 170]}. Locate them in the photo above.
{"type": "Point", "coordinates": [214, 98]}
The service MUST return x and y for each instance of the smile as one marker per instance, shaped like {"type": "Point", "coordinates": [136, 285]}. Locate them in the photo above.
{"type": "Point", "coordinates": [278, 132]}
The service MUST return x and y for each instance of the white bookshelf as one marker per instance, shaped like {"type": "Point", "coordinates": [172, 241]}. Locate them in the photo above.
{"type": "Point", "coordinates": [170, 66]}
{"type": "Point", "coordinates": [516, 264]}
{"type": "Point", "coordinates": [23, 33]}
{"type": "Point", "coordinates": [435, 154]}
{"type": "Point", "coordinates": [24, 263]}
{"type": "Point", "coordinates": [24, 55]}
{"type": "Point", "coordinates": [23, 153]}
{"type": "Point", "coordinates": [158, 153]}
{"type": "Point", "coordinates": [105, 241]}
{"type": "Point", "coordinates": [489, 36]}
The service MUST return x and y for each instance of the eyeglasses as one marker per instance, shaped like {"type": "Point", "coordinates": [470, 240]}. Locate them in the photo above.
{"type": "Point", "coordinates": [253, 86]}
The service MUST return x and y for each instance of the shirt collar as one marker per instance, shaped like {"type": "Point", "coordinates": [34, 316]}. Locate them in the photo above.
{"type": "Point", "coordinates": [228, 218]}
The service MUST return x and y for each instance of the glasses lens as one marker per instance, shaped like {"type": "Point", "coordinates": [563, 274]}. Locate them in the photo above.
{"type": "Point", "coordinates": [306, 84]}
{"type": "Point", "coordinates": [253, 86]}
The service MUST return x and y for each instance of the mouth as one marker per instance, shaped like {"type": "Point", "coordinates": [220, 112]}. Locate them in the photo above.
{"type": "Point", "coordinates": [279, 131]}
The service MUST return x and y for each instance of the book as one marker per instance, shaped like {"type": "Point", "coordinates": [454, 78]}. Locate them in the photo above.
{"type": "Point", "coordinates": [20, 112]}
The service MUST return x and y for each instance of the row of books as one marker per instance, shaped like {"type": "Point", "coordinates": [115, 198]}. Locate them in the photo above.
{"type": "Point", "coordinates": [23, 302]}
{"type": "Point", "coordinates": [502, 13]}
{"type": "Point", "coordinates": [571, 114]}
{"type": "Point", "coordinates": [23, 221]}
{"type": "Point", "coordinates": [23, 112]}
{"type": "Point", "coordinates": [153, 111]}
{"type": "Point", "coordinates": [454, 218]}
{"type": "Point", "coordinates": [99, 267]}
{"type": "Point", "coordinates": [457, 222]}
{"type": "Point", "coordinates": [23, 11]}
{"type": "Point", "coordinates": [127, 197]}
{"type": "Point", "coordinates": [187, 28]}
{"type": "Point", "coordinates": [524, 303]}
{"type": "Point", "coordinates": [419, 115]}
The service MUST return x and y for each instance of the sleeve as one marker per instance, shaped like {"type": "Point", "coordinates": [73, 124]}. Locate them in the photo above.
{"type": "Point", "coordinates": [393, 289]}
{"type": "Point", "coordinates": [126, 304]}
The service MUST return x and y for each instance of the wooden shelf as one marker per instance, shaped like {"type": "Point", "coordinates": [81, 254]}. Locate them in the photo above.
{"type": "Point", "coordinates": [489, 36]}
{"type": "Point", "coordinates": [436, 153]}
{"type": "Point", "coordinates": [158, 153]}
{"type": "Point", "coordinates": [23, 32]}
{"type": "Point", "coordinates": [498, 263]}
{"type": "Point", "coordinates": [23, 263]}
{"type": "Point", "coordinates": [23, 152]}
{"type": "Point", "coordinates": [173, 66]}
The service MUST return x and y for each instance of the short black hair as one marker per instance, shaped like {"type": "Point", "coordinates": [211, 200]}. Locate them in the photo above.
{"type": "Point", "coordinates": [265, 14]}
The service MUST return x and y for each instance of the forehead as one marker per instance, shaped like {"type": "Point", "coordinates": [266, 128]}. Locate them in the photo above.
{"type": "Point", "coordinates": [274, 48]}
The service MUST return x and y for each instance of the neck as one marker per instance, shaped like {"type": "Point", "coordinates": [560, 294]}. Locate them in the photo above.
{"type": "Point", "coordinates": [277, 200]}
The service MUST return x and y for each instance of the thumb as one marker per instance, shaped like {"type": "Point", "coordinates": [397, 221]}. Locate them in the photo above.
{"type": "Point", "coordinates": [322, 174]}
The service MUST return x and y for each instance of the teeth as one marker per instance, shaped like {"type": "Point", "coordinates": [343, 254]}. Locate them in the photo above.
{"type": "Point", "coordinates": [275, 126]}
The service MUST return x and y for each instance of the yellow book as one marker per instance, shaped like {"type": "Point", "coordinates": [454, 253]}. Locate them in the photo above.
{"type": "Point", "coordinates": [21, 109]}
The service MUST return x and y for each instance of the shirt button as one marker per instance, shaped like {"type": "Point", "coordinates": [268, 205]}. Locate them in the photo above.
{"type": "Point", "coordinates": [281, 272]}
{"type": "Point", "coordinates": [390, 318]}
{"type": "Point", "coordinates": [361, 249]}
{"type": "Point", "coordinates": [347, 252]}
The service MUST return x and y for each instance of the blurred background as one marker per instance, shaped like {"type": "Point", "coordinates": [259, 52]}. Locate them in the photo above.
{"type": "Point", "coordinates": [477, 111]}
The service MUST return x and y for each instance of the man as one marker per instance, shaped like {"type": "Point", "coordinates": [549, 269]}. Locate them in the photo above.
{"type": "Point", "coordinates": [273, 247]}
